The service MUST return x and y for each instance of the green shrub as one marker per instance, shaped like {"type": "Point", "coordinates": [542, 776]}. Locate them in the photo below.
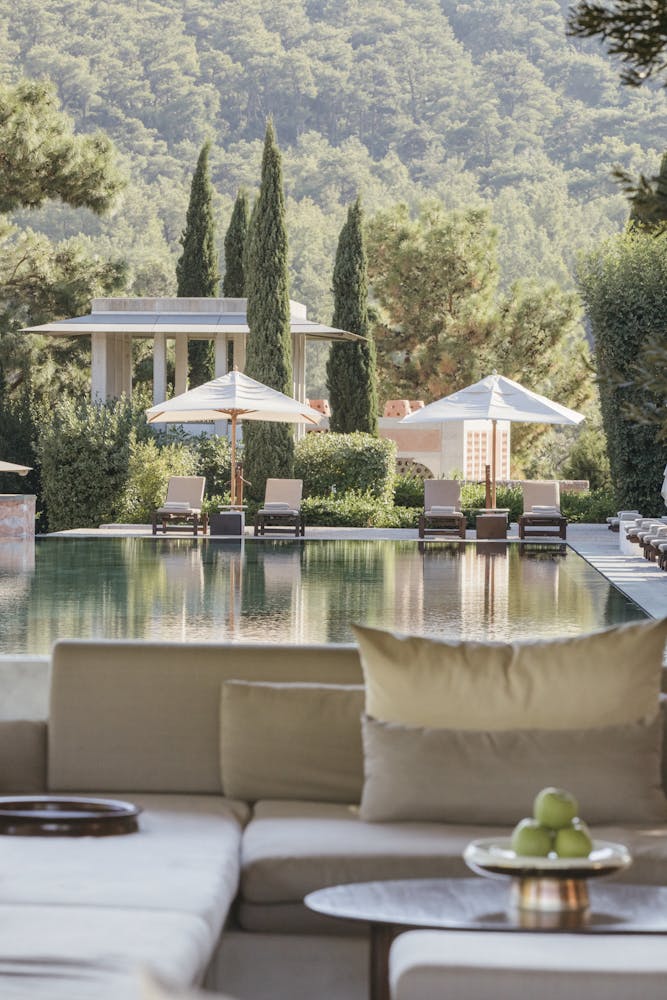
{"type": "Point", "coordinates": [357, 510]}
{"type": "Point", "coordinates": [84, 453]}
{"type": "Point", "coordinates": [593, 507]}
{"type": "Point", "coordinates": [213, 460]}
{"type": "Point", "coordinates": [408, 491]}
{"type": "Point", "coordinates": [149, 470]}
{"type": "Point", "coordinates": [344, 463]}
{"type": "Point", "coordinates": [473, 495]}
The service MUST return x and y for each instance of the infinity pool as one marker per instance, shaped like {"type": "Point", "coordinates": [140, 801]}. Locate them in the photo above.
{"type": "Point", "coordinates": [296, 592]}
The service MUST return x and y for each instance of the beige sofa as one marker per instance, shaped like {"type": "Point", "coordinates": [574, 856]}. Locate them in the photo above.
{"type": "Point", "coordinates": [209, 892]}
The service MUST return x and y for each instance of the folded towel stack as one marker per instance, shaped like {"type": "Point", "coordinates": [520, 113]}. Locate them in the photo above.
{"type": "Point", "coordinates": [544, 510]}
{"type": "Point", "coordinates": [176, 505]}
{"type": "Point", "coordinates": [442, 510]}
{"type": "Point", "coordinates": [276, 505]}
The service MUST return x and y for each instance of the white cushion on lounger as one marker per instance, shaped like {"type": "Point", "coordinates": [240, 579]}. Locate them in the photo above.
{"type": "Point", "coordinates": [441, 510]}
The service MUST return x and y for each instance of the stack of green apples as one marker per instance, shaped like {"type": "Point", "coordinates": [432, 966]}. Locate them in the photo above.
{"type": "Point", "coordinates": [554, 828]}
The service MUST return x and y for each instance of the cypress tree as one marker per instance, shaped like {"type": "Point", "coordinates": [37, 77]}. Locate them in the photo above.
{"type": "Point", "coordinates": [197, 272]}
{"type": "Point", "coordinates": [351, 377]}
{"type": "Point", "coordinates": [233, 284]}
{"type": "Point", "coordinates": [269, 447]}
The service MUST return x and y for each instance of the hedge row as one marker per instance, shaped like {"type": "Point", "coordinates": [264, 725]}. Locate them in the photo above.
{"type": "Point", "coordinates": [331, 464]}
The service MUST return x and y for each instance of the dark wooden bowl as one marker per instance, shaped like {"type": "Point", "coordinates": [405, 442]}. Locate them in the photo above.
{"type": "Point", "coordinates": [55, 816]}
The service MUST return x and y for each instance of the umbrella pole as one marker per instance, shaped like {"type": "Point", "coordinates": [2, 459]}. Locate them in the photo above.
{"type": "Point", "coordinates": [493, 463]}
{"type": "Point", "coordinates": [233, 483]}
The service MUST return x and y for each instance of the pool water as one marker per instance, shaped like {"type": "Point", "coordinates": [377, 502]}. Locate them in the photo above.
{"type": "Point", "coordinates": [295, 592]}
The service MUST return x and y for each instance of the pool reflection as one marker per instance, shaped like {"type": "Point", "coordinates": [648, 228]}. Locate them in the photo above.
{"type": "Point", "coordinates": [298, 592]}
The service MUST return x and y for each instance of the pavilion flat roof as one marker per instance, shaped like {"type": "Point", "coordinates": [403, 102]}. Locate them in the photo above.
{"type": "Point", "coordinates": [177, 317]}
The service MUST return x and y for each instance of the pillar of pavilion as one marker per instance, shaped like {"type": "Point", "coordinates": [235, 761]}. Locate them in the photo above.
{"type": "Point", "coordinates": [114, 322]}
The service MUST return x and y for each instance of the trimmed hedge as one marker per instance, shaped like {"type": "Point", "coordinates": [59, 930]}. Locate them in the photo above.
{"type": "Point", "coordinates": [589, 508]}
{"type": "Point", "coordinates": [346, 463]}
{"type": "Point", "coordinates": [357, 510]}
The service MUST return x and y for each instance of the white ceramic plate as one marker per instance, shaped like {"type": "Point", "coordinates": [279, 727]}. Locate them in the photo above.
{"type": "Point", "coordinates": [490, 856]}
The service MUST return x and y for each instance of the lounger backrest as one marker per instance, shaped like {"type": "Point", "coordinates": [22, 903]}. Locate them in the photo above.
{"type": "Point", "coordinates": [540, 494]}
{"type": "Point", "coordinates": [442, 493]}
{"type": "Point", "coordinates": [284, 491]}
{"type": "Point", "coordinates": [186, 489]}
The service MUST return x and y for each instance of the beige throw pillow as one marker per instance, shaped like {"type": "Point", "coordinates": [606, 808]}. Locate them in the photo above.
{"type": "Point", "coordinates": [291, 741]}
{"type": "Point", "coordinates": [464, 776]}
{"type": "Point", "coordinates": [602, 679]}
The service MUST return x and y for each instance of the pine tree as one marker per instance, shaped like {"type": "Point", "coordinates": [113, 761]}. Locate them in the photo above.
{"type": "Point", "coordinates": [233, 284]}
{"type": "Point", "coordinates": [269, 447]}
{"type": "Point", "coordinates": [197, 272]}
{"type": "Point", "coordinates": [351, 375]}
{"type": "Point", "coordinates": [648, 198]}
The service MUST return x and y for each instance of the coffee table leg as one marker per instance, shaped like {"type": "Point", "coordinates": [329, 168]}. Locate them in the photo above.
{"type": "Point", "coordinates": [381, 937]}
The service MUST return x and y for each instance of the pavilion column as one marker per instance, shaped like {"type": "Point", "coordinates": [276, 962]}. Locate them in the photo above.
{"type": "Point", "coordinates": [299, 375]}
{"type": "Point", "coordinates": [159, 368]}
{"type": "Point", "coordinates": [221, 344]}
{"type": "Point", "coordinates": [238, 341]}
{"type": "Point", "coordinates": [123, 365]}
{"type": "Point", "coordinates": [181, 375]}
{"type": "Point", "coordinates": [99, 368]}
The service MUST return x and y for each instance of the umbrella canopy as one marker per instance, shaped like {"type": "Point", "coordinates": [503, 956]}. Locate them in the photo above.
{"type": "Point", "coordinates": [495, 398]}
{"type": "Point", "coordinates": [21, 470]}
{"type": "Point", "coordinates": [233, 396]}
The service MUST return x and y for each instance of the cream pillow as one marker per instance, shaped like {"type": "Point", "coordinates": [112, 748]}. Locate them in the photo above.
{"type": "Point", "coordinates": [291, 741]}
{"type": "Point", "coordinates": [466, 776]}
{"type": "Point", "coordinates": [602, 679]}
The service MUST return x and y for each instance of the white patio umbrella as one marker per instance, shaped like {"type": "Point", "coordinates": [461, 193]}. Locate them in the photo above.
{"type": "Point", "coordinates": [21, 470]}
{"type": "Point", "coordinates": [235, 396]}
{"type": "Point", "coordinates": [495, 398]}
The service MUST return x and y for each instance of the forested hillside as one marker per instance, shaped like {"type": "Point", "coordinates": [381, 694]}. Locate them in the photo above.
{"type": "Point", "coordinates": [476, 102]}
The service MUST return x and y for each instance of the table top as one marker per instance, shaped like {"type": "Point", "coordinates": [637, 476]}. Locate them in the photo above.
{"type": "Point", "coordinates": [483, 904]}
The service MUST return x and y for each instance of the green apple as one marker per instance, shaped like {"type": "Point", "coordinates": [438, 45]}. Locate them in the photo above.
{"type": "Point", "coordinates": [555, 808]}
{"type": "Point", "coordinates": [531, 839]}
{"type": "Point", "coordinates": [573, 841]}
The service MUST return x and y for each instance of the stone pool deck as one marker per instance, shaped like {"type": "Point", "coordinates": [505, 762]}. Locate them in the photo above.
{"type": "Point", "coordinates": [640, 580]}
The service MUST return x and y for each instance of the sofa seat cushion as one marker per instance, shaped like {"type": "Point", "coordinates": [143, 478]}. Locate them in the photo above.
{"type": "Point", "coordinates": [184, 859]}
{"type": "Point", "coordinates": [292, 848]}
{"type": "Point", "coordinates": [428, 964]}
{"type": "Point", "coordinates": [81, 952]}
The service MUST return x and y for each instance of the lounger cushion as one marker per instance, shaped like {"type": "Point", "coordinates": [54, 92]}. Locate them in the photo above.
{"type": "Point", "coordinates": [605, 678]}
{"type": "Point", "coordinates": [464, 776]}
{"type": "Point", "coordinates": [278, 512]}
{"type": "Point", "coordinates": [292, 741]}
